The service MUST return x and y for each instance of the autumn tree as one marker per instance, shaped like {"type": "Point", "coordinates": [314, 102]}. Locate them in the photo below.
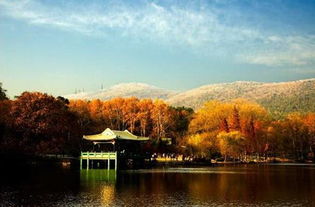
{"type": "Point", "coordinates": [224, 125]}
{"type": "Point", "coordinates": [115, 113]}
{"type": "Point", "coordinates": [43, 124]}
{"type": "Point", "coordinates": [236, 124]}
{"type": "Point", "coordinates": [144, 116]}
{"type": "Point", "coordinates": [296, 135]}
{"type": "Point", "coordinates": [210, 117]}
{"type": "Point", "coordinates": [95, 109]}
{"type": "Point", "coordinates": [161, 119]}
{"type": "Point", "coordinates": [84, 120]}
{"type": "Point", "coordinates": [239, 116]}
{"type": "Point", "coordinates": [130, 112]}
{"type": "Point", "coordinates": [231, 144]}
{"type": "Point", "coordinates": [95, 114]}
{"type": "Point", "coordinates": [202, 145]}
{"type": "Point", "coordinates": [254, 120]}
{"type": "Point", "coordinates": [309, 121]}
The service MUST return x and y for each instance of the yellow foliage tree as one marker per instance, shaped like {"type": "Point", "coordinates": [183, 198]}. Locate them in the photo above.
{"type": "Point", "coordinates": [231, 144]}
{"type": "Point", "coordinates": [239, 116]}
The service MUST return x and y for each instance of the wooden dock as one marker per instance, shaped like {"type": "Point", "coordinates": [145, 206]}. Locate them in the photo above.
{"type": "Point", "coordinates": [103, 156]}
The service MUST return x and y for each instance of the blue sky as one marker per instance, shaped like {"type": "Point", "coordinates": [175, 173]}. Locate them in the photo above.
{"type": "Point", "coordinates": [62, 45]}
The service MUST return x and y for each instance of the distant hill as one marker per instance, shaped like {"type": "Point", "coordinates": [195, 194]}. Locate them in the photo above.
{"type": "Point", "coordinates": [279, 98]}
{"type": "Point", "coordinates": [139, 90]}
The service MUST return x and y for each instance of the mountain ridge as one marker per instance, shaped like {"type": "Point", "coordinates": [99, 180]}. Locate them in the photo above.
{"type": "Point", "coordinates": [139, 90]}
{"type": "Point", "coordinates": [278, 97]}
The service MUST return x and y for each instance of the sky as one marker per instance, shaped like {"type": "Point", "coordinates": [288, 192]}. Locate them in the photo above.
{"type": "Point", "coordinates": [65, 45]}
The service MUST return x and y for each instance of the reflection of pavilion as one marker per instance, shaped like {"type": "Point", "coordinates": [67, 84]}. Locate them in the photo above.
{"type": "Point", "coordinates": [112, 145]}
{"type": "Point", "coordinates": [99, 183]}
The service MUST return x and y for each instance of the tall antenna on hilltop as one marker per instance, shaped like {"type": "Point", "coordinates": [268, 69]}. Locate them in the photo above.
{"type": "Point", "coordinates": [102, 87]}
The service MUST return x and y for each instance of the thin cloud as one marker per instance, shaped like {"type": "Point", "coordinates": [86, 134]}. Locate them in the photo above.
{"type": "Point", "coordinates": [202, 30]}
{"type": "Point", "coordinates": [150, 20]}
{"type": "Point", "coordinates": [284, 51]}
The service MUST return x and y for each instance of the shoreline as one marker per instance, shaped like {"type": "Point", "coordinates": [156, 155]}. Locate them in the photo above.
{"type": "Point", "coordinates": [30, 161]}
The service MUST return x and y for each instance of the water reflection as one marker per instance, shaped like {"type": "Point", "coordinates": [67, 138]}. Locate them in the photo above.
{"type": "Point", "coordinates": [100, 184]}
{"type": "Point", "coordinates": [251, 185]}
{"type": "Point", "coordinates": [236, 186]}
{"type": "Point", "coordinates": [93, 176]}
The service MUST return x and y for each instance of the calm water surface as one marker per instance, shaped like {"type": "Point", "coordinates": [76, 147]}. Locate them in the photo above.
{"type": "Point", "coordinates": [251, 185]}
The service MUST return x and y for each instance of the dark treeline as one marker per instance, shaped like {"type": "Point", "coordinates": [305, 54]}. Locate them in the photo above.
{"type": "Point", "coordinates": [37, 123]}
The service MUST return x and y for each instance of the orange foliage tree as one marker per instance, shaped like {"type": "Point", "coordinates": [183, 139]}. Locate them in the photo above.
{"type": "Point", "coordinates": [43, 124]}
{"type": "Point", "coordinates": [40, 123]}
{"type": "Point", "coordinates": [144, 117]}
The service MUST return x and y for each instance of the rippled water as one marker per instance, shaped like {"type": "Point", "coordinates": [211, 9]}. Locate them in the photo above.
{"type": "Point", "coordinates": [251, 185]}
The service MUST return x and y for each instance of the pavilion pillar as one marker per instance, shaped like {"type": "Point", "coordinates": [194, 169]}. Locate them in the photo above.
{"type": "Point", "coordinates": [108, 162]}
{"type": "Point", "coordinates": [87, 161]}
{"type": "Point", "coordinates": [116, 160]}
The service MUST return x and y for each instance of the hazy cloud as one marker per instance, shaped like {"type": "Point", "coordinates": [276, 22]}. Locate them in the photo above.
{"type": "Point", "coordinates": [284, 51]}
{"type": "Point", "coordinates": [201, 29]}
{"type": "Point", "coordinates": [150, 20]}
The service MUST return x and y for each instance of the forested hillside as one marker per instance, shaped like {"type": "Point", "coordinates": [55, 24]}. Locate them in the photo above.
{"type": "Point", "coordinates": [278, 98]}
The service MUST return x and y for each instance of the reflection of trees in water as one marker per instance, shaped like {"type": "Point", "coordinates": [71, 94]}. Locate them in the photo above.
{"type": "Point", "coordinates": [249, 184]}
{"type": "Point", "coordinates": [233, 184]}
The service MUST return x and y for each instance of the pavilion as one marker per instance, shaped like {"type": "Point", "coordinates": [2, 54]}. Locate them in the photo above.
{"type": "Point", "coordinates": [111, 145]}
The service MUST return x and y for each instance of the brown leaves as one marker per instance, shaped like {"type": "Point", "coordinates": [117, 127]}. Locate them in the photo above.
{"type": "Point", "coordinates": [39, 118]}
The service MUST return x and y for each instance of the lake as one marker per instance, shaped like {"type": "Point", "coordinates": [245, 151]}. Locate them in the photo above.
{"type": "Point", "coordinates": [231, 185]}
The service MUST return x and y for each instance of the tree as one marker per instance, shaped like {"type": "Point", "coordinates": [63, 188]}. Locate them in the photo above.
{"type": "Point", "coordinates": [241, 116]}
{"type": "Point", "coordinates": [43, 124]}
{"type": "Point", "coordinates": [309, 121]}
{"type": "Point", "coordinates": [5, 107]}
{"type": "Point", "coordinates": [202, 145]}
{"type": "Point", "coordinates": [236, 124]}
{"type": "Point", "coordinates": [3, 95]}
{"type": "Point", "coordinates": [161, 119]}
{"type": "Point", "coordinates": [210, 117]}
{"type": "Point", "coordinates": [297, 135]}
{"type": "Point", "coordinates": [130, 112]}
{"type": "Point", "coordinates": [84, 120]}
{"type": "Point", "coordinates": [144, 116]}
{"type": "Point", "coordinates": [231, 144]}
{"type": "Point", "coordinates": [4, 111]}
{"type": "Point", "coordinates": [224, 125]}
{"type": "Point", "coordinates": [179, 122]}
{"type": "Point", "coordinates": [254, 120]}
{"type": "Point", "coordinates": [116, 113]}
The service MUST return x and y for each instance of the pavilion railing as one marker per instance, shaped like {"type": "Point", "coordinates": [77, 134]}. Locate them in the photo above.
{"type": "Point", "coordinates": [98, 155]}
{"type": "Point", "coordinates": [106, 156]}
